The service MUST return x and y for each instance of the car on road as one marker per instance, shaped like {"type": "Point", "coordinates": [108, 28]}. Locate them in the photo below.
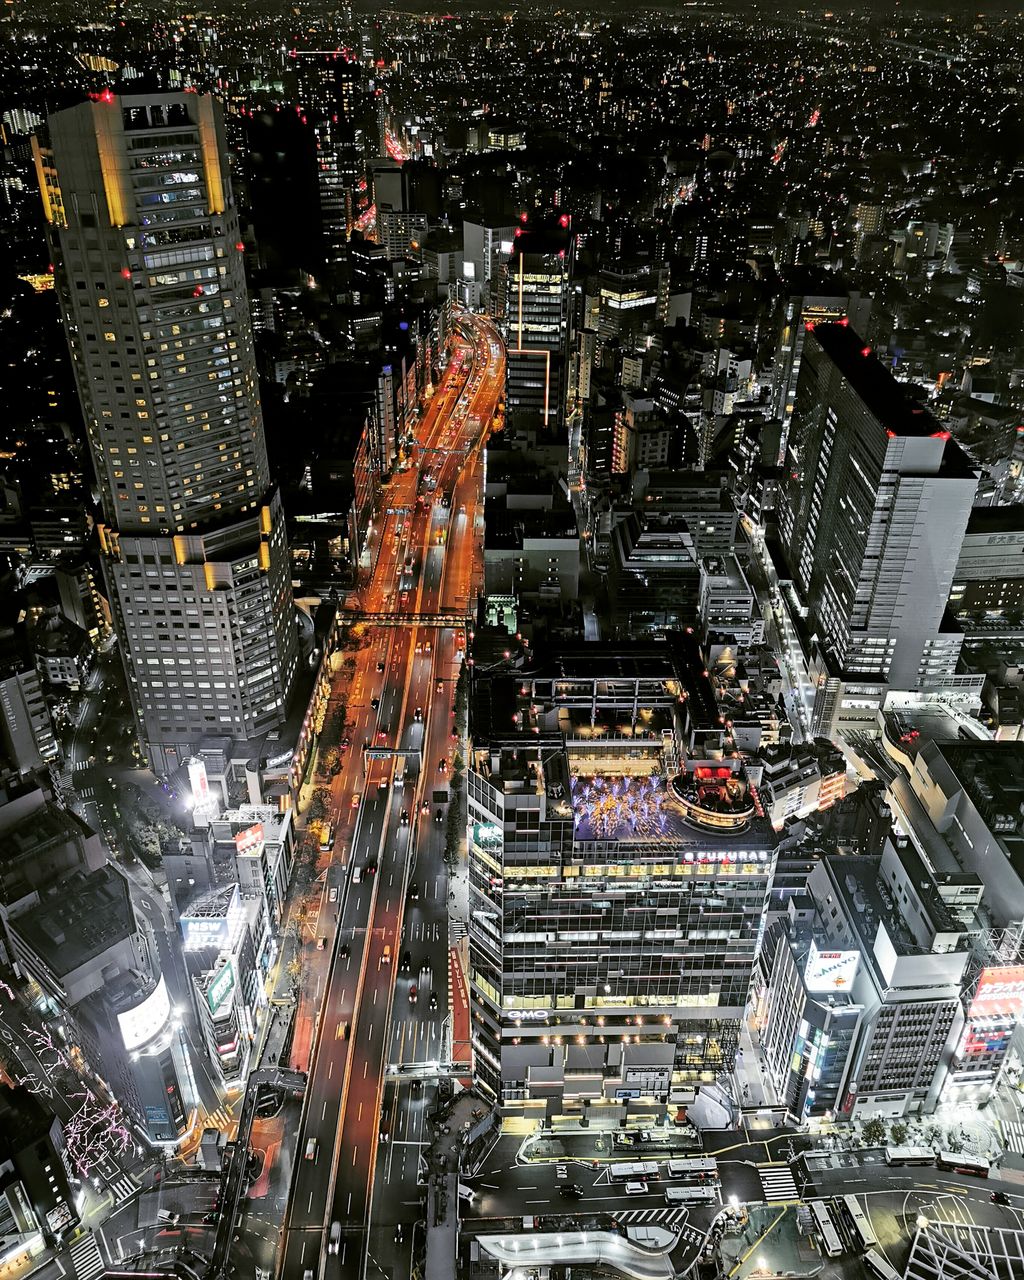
{"type": "Point", "coordinates": [344, 949]}
{"type": "Point", "coordinates": [334, 1241]}
{"type": "Point", "coordinates": [413, 993]}
{"type": "Point", "coordinates": [404, 818]}
{"type": "Point", "coordinates": [357, 874]}
{"type": "Point", "coordinates": [440, 686]}
{"type": "Point", "coordinates": [332, 893]}
{"type": "Point", "coordinates": [571, 1191]}
{"type": "Point", "coordinates": [399, 1233]}
{"type": "Point", "coordinates": [382, 735]}
{"type": "Point", "coordinates": [321, 942]}
{"type": "Point", "coordinates": [406, 962]}
{"type": "Point", "coordinates": [371, 868]}
{"type": "Point", "coordinates": [375, 703]}
{"type": "Point", "coordinates": [384, 1134]}
{"type": "Point", "coordinates": [355, 799]}
{"type": "Point", "coordinates": [342, 1031]}
{"type": "Point", "coordinates": [404, 598]}
{"type": "Point", "coordinates": [380, 665]}
{"type": "Point", "coordinates": [413, 891]}
{"type": "Point", "coordinates": [417, 715]}
{"type": "Point", "coordinates": [442, 765]}
{"type": "Point", "coordinates": [311, 1149]}
{"type": "Point", "coordinates": [432, 1002]}
{"type": "Point", "coordinates": [635, 1188]}
{"type": "Point", "coordinates": [999, 1197]}
{"type": "Point", "coordinates": [386, 956]}
{"type": "Point", "coordinates": [424, 808]}
{"type": "Point", "coordinates": [439, 815]}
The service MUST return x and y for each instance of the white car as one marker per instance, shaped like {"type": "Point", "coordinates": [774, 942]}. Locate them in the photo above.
{"type": "Point", "coordinates": [636, 1188]}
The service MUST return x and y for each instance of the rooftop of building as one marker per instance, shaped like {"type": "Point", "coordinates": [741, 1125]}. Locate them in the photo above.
{"type": "Point", "coordinates": [988, 520]}
{"type": "Point", "coordinates": [508, 528]}
{"type": "Point", "coordinates": [79, 919]}
{"type": "Point", "coordinates": [869, 903]}
{"type": "Point", "coordinates": [992, 776]}
{"type": "Point", "coordinates": [888, 400]}
{"type": "Point", "coordinates": [23, 1120]}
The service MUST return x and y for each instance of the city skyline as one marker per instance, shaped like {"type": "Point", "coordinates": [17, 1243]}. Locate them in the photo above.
{"type": "Point", "coordinates": [511, 642]}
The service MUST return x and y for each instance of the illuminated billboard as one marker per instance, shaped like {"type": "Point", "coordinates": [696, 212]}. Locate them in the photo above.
{"type": "Point", "coordinates": [198, 781]}
{"type": "Point", "coordinates": [221, 987]}
{"type": "Point", "coordinates": [249, 843]}
{"type": "Point", "coordinates": [143, 1023]}
{"type": "Point", "coordinates": [828, 971]}
{"type": "Point", "coordinates": [1000, 993]}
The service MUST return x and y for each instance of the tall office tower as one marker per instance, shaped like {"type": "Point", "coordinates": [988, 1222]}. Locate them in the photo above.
{"type": "Point", "coordinates": [408, 199]}
{"type": "Point", "coordinates": [537, 299]}
{"type": "Point", "coordinates": [615, 915]}
{"type": "Point", "coordinates": [874, 505]}
{"type": "Point", "coordinates": [811, 296]}
{"type": "Point", "coordinates": [329, 94]}
{"type": "Point", "coordinates": [144, 239]}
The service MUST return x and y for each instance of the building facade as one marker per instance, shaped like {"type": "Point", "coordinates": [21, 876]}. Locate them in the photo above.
{"type": "Point", "coordinates": [875, 501]}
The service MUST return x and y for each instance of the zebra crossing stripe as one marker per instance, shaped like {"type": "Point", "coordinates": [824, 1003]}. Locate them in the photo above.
{"type": "Point", "coordinates": [87, 1258]}
{"type": "Point", "coordinates": [1013, 1133]}
{"type": "Point", "coordinates": [457, 930]}
{"type": "Point", "coordinates": [777, 1182]}
{"type": "Point", "coordinates": [123, 1189]}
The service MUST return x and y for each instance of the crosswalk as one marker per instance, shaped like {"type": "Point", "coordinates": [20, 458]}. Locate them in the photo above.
{"type": "Point", "coordinates": [220, 1119]}
{"type": "Point", "coordinates": [87, 1258]}
{"type": "Point", "coordinates": [85, 793]}
{"type": "Point", "coordinates": [123, 1189]}
{"type": "Point", "coordinates": [1013, 1135]}
{"type": "Point", "coordinates": [777, 1182]}
{"type": "Point", "coordinates": [457, 930]}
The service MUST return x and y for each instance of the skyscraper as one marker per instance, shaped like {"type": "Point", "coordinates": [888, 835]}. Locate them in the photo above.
{"type": "Point", "coordinates": [874, 507]}
{"type": "Point", "coordinates": [148, 261]}
{"type": "Point", "coordinates": [536, 309]}
{"type": "Point", "coordinates": [328, 83]}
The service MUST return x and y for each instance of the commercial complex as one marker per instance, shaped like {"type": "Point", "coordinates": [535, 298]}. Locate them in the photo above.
{"type": "Point", "coordinates": [619, 874]}
{"type": "Point", "coordinates": [150, 275]}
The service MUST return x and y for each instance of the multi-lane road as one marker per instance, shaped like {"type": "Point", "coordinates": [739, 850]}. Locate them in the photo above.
{"type": "Point", "coordinates": [384, 908]}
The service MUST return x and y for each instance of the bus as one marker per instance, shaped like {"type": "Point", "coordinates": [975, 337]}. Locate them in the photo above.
{"type": "Point", "coordinates": [880, 1267]}
{"type": "Point", "coordinates": [830, 1241]}
{"type": "Point", "coordinates": [909, 1155]}
{"type": "Point", "coordinates": [635, 1172]}
{"type": "Point", "coordinates": [700, 1169]}
{"type": "Point", "coordinates": [961, 1162]}
{"type": "Point", "coordinates": [326, 836]}
{"type": "Point", "coordinates": [691, 1195]}
{"type": "Point", "coordinates": [859, 1225]}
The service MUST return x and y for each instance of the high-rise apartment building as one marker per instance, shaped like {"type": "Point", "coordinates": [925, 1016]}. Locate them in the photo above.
{"type": "Point", "coordinates": [875, 502]}
{"type": "Point", "coordinates": [537, 304]}
{"type": "Point", "coordinates": [150, 277]}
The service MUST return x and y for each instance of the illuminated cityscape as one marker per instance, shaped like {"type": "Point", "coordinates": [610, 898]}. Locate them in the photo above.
{"type": "Point", "coordinates": [511, 696]}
